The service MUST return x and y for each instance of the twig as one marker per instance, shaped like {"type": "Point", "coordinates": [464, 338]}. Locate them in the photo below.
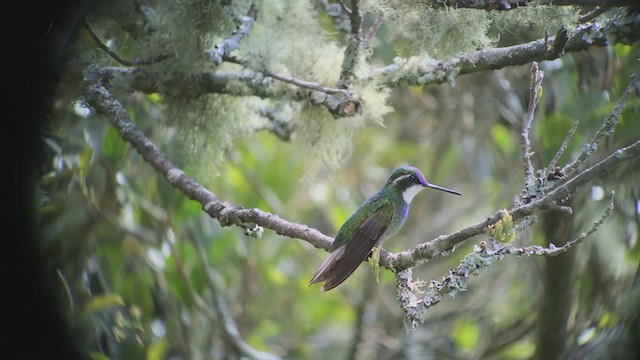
{"type": "Point", "coordinates": [552, 250]}
{"type": "Point", "coordinates": [606, 129]}
{"type": "Point", "coordinates": [592, 15]}
{"type": "Point", "coordinates": [67, 290]}
{"type": "Point", "coordinates": [344, 7]}
{"type": "Point", "coordinates": [117, 57]}
{"type": "Point", "coordinates": [377, 24]}
{"type": "Point", "coordinates": [307, 84]}
{"type": "Point", "coordinates": [217, 54]}
{"type": "Point", "coordinates": [565, 144]}
{"type": "Point", "coordinates": [535, 91]}
{"type": "Point", "coordinates": [291, 80]}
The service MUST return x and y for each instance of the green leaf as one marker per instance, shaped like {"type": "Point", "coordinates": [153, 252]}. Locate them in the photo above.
{"type": "Point", "coordinates": [101, 302]}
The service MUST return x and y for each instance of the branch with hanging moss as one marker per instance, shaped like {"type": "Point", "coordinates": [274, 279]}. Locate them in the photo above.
{"type": "Point", "coordinates": [514, 4]}
{"type": "Point", "coordinates": [416, 71]}
{"type": "Point", "coordinates": [339, 102]}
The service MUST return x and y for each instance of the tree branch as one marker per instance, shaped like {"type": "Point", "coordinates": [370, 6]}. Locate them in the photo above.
{"type": "Point", "coordinates": [422, 71]}
{"type": "Point", "coordinates": [337, 101]}
{"type": "Point", "coordinates": [535, 91]}
{"type": "Point", "coordinates": [606, 129]}
{"type": "Point", "coordinates": [565, 144]}
{"type": "Point", "coordinates": [373, 29]}
{"type": "Point", "coordinates": [514, 4]}
{"type": "Point", "coordinates": [354, 45]}
{"type": "Point", "coordinates": [245, 24]}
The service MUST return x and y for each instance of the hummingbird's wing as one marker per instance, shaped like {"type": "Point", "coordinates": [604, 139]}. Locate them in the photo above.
{"type": "Point", "coordinates": [345, 259]}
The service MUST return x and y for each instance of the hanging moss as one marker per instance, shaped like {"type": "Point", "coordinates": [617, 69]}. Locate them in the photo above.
{"type": "Point", "coordinates": [418, 28]}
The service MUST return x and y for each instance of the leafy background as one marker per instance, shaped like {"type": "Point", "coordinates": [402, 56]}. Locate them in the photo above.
{"type": "Point", "coordinates": [122, 245]}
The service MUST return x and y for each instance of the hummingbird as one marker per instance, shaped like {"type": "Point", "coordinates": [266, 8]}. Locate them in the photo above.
{"type": "Point", "coordinates": [375, 220]}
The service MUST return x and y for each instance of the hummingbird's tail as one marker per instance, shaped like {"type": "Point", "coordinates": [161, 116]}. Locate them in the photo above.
{"type": "Point", "coordinates": [325, 269]}
{"type": "Point", "coordinates": [341, 263]}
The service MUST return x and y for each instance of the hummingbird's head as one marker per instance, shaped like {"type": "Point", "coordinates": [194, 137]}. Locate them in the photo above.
{"type": "Point", "coordinates": [409, 181]}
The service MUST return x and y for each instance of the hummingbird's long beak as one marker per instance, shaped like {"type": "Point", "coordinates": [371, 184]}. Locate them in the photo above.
{"type": "Point", "coordinates": [443, 189]}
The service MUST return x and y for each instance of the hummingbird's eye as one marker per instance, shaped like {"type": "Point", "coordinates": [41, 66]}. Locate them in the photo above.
{"type": "Point", "coordinates": [414, 178]}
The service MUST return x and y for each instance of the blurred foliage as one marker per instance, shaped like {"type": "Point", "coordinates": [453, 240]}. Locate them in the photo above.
{"type": "Point", "coordinates": [120, 240]}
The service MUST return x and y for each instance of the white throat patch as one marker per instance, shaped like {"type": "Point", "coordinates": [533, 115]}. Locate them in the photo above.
{"type": "Point", "coordinates": [411, 192]}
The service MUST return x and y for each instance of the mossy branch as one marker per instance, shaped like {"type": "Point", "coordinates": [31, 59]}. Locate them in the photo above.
{"type": "Point", "coordinates": [514, 4]}
{"type": "Point", "coordinates": [339, 102]}
{"type": "Point", "coordinates": [622, 29]}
